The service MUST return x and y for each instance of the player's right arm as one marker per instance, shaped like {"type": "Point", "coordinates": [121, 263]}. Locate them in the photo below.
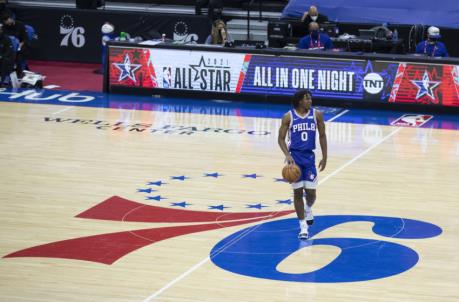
{"type": "Point", "coordinates": [285, 124]}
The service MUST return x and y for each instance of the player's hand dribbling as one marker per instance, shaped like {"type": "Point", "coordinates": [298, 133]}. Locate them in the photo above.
{"type": "Point", "coordinates": [322, 164]}
{"type": "Point", "coordinates": [289, 160]}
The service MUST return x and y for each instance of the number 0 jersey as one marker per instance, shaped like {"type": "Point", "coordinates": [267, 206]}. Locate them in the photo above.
{"type": "Point", "coordinates": [302, 131]}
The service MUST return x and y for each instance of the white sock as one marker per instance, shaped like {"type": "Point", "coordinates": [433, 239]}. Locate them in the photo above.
{"type": "Point", "coordinates": [303, 224]}
{"type": "Point", "coordinates": [307, 208]}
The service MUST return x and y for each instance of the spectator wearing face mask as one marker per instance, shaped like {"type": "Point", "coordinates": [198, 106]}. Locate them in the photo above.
{"type": "Point", "coordinates": [432, 47]}
{"type": "Point", "coordinates": [312, 15]}
{"type": "Point", "coordinates": [315, 39]}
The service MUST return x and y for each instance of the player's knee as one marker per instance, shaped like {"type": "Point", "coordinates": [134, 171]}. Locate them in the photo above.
{"type": "Point", "coordinates": [310, 197]}
{"type": "Point", "coordinates": [298, 194]}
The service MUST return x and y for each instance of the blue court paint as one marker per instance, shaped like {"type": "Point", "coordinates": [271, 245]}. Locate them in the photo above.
{"type": "Point", "coordinates": [219, 207]}
{"type": "Point", "coordinates": [156, 183]}
{"type": "Point", "coordinates": [254, 175]}
{"type": "Point", "coordinates": [258, 206]}
{"type": "Point", "coordinates": [181, 178]}
{"type": "Point", "coordinates": [149, 190]}
{"type": "Point", "coordinates": [256, 251]}
{"type": "Point", "coordinates": [157, 198]}
{"type": "Point", "coordinates": [210, 107]}
{"type": "Point", "coordinates": [214, 175]}
{"type": "Point", "coordinates": [182, 204]}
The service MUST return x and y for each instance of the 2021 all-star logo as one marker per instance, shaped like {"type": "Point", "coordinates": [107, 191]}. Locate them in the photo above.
{"type": "Point", "coordinates": [256, 251]}
{"type": "Point", "coordinates": [208, 74]}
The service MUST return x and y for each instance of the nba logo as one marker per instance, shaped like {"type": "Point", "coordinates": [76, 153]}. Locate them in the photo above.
{"type": "Point", "coordinates": [412, 120]}
{"type": "Point", "coordinates": [167, 77]}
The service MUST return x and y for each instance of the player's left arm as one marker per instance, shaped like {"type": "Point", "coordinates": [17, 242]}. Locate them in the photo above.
{"type": "Point", "coordinates": [322, 139]}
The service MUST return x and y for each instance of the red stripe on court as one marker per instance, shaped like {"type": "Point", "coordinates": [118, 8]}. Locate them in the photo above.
{"type": "Point", "coordinates": [120, 209]}
{"type": "Point", "coordinates": [108, 248]}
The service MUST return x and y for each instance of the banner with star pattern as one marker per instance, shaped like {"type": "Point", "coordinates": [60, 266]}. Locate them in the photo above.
{"type": "Point", "coordinates": [236, 73]}
{"type": "Point", "coordinates": [426, 84]}
{"type": "Point", "coordinates": [176, 69]}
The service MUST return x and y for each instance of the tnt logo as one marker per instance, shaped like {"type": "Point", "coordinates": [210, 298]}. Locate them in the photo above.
{"type": "Point", "coordinates": [373, 83]}
{"type": "Point", "coordinates": [412, 120]}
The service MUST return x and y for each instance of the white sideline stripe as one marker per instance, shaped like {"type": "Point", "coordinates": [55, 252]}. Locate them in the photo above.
{"type": "Point", "coordinates": [62, 110]}
{"type": "Point", "coordinates": [157, 293]}
{"type": "Point", "coordinates": [51, 86]}
{"type": "Point", "coordinates": [205, 260]}
{"type": "Point", "coordinates": [337, 116]}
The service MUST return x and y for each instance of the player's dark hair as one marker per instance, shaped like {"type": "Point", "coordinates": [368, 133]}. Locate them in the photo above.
{"type": "Point", "coordinates": [299, 95]}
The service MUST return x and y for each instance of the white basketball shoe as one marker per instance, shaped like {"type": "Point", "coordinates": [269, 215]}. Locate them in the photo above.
{"type": "Point", "coordinates": [303, 234]}
{"type": "Point", "coordinates": [303, 230]}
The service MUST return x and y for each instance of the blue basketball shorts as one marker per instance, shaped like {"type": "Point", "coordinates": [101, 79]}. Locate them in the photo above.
{"type": "Point", "coordinates": [305, 159]}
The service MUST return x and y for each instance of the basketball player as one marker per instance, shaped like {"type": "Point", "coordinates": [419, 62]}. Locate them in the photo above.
{"type": "Point", "coordinates": [301, 124]}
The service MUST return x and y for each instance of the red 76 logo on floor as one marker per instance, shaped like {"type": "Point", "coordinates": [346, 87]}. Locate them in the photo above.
{"type": "Point", "coordinates": [108, 248]}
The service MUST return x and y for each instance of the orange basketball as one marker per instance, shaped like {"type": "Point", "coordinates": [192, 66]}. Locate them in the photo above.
{"type": "Point", "coordinates": [291, 173]}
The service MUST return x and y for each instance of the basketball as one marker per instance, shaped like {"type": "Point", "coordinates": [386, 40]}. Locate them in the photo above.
{"type": "Point", "coordinates": [291, 173]}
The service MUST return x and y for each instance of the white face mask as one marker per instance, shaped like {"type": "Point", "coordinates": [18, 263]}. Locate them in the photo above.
{"type": "Point", "coordinates": [314, 18]}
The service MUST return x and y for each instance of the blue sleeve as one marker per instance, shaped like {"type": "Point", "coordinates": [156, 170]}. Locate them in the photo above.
{"type": "Point", "coordinates": [420, 48]}
{"type": "Point", "coordinates": [329, 44]}
{"type": "Point", "coordinates": [304, 43]}
{"type": "Point", "coordinates": [444, 50]}
{"type": "Point", "coordinates": [208, 40]}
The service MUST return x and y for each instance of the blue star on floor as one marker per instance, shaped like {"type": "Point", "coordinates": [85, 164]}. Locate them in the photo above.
{"type": "Point", "coordinates": [279, 180]}
{"type": "Point", "coordinates": [158, 198]}
{"type": "Point", "coordinates": [220, 207]}
{"type": "Point", "coordinates": [216, 174]}
{"type": "Point", "coordinates": [156, 183]}
{"type": "Point", "coordinates": [254, 175]}
{"type": "Point", "coordinates": [182, 177]}
{"type": "Point", "coordinates": [256, 206]}
{"type": "Point", "coordinates": [149, 190]}
{"type": "Point", "coordinates": [286, 201]}
{"type": "Point", "coordinates": [183, 204]}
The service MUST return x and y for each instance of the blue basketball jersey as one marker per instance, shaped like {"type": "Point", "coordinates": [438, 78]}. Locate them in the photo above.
{"type": "Point", "coordinates": [302, 132]}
